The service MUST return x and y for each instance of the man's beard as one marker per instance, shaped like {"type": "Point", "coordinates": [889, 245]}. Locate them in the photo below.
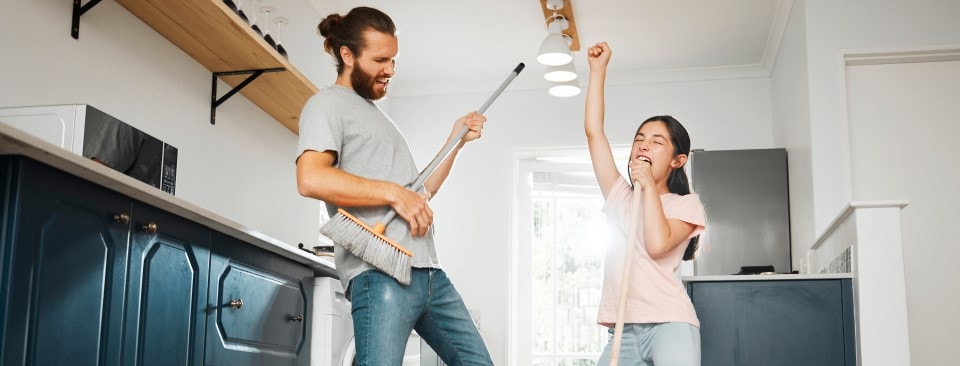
{"type": "Point", "coordinates": [363, 83]}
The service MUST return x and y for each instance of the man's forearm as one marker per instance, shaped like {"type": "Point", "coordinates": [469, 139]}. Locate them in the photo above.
{"type": "Point", "coordinates": [340, 188]}
{"type": "Point", "coordinates": [433, 183]}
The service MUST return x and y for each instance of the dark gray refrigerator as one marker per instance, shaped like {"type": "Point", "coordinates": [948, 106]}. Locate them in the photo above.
{"type": "Point", "coordinates": [746, 199]}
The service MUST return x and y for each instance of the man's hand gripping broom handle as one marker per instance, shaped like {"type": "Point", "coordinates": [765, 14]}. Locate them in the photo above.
{"type": "Point", "coordinates": [381, 226]}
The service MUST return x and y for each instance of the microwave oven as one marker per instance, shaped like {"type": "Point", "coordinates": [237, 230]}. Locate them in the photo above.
{"type": "Point", "coordinates": [87, 131]}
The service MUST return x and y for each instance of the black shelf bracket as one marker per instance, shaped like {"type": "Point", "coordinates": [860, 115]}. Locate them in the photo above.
{"type": "Point", "coordinates": [215, 102]}
{"type": "Point", "coordinates": [79, 10]}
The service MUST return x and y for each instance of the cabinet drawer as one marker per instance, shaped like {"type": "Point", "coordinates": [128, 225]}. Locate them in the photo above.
{"type": "Point", "coordinates": [259, 307]}
{"type": "Point", "coordinates": [269, 313]}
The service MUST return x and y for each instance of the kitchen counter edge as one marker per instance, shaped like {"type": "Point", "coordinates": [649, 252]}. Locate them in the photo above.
{"type": "Point", "coordinates": [771, 277]}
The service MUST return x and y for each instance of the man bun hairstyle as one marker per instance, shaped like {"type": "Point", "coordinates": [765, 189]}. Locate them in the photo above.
{"type": "Point", "coordinates": [339, 31]}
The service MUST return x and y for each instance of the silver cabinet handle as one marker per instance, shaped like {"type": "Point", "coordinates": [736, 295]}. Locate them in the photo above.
{"type": "Point", "coordinates": [236, 304]}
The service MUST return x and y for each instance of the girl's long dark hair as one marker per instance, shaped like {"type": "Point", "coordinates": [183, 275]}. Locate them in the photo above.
{"type": "Point", "coordinates": [677, 182]}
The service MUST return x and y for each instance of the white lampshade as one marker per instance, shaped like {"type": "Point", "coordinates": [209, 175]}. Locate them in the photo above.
{"type": "Point", "coordinates": [565, 89]}
{"type": "Point", "coordinates": [561, 73]}
{"type": "Point", "coordinates": [554, 51]}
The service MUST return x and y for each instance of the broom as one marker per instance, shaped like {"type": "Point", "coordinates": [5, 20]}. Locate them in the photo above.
{"type": "Point", "coordinates": [625, 281]}
{"type": "Point", "coordinates": [369, 243]}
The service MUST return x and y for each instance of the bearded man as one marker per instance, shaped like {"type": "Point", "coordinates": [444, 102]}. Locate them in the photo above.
{"type": "Point", "coordinates": [352, 155]}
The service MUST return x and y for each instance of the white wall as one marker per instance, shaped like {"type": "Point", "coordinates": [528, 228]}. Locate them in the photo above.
{"type": "Point", "coordinates": [242, 168]}
{"type": "Point", "coordinates": [837, 26]}
{"type": "Point", "coordinates": [903, 127]}
{"type": "Point", "coordinates": [473, 209]}
{"type": "Point", "coordinates": [791, 128]}
{"type": "Point", "coordinates": [831, 29]}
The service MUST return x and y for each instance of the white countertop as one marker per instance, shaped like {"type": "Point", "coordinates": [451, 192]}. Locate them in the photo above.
{"type": "Point", "coordinates": [771, 277]}
{"type": "Point", "coordinates": [15, 142]}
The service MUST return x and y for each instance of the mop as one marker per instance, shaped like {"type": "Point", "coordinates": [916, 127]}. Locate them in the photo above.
{"type": "Point", "coordinates": [369, 243]}
{"type": "Point", "coordinates": [625, 281]}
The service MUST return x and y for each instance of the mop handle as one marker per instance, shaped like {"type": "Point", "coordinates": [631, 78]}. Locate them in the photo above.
{"type": "Point", "coordinates": [449, 146]}
{"type": "Point", "coordinates": [625, 281]}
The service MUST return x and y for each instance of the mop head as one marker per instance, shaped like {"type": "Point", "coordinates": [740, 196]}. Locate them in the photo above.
{"type": "Point", "coordinates": [370, 245]}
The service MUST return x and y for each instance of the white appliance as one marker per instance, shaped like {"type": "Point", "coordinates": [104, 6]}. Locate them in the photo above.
{"type": "Point", "coordinates": [54, 124]}
{"type": "Point", "coordinates": [411, 356]}
{"type": "Point", "coordinates": [332, 342]}
{"type": "Point", "coordinates": [87, 131]}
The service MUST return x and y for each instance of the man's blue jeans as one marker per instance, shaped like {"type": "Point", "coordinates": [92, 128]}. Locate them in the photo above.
{"type": "Point", "coordinates": [384, 313]}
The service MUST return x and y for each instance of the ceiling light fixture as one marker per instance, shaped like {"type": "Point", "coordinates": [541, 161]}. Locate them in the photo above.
{"type": "Point", "coordinates": [554, 50]}
{"type": "Point", "coordinates": [564, 8]}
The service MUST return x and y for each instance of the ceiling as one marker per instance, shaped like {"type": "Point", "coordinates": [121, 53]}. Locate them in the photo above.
{"type": "Point", "coordinates": [457, 46]}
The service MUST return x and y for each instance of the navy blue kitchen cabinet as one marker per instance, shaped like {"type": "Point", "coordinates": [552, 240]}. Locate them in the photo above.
{"type": "Point", "coordinates": [89, 276]}
{"type": "Point", "coordinates": [261, 308]}
{"type": "Point", "coordinates": [774, 322]}
{"type": "Point", "coordinates": [64, 250]}
{"type": "Point", "coordinates": [166, 289]}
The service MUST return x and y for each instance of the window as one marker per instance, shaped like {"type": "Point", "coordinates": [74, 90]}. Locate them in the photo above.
{"type": "Point", "coordinates": [567, 273]}
{"type": "Point", "coordinates": [560, 231]}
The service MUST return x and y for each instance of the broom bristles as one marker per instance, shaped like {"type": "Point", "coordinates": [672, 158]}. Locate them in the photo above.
{"type": "Point", "coordinates": [362, 241]}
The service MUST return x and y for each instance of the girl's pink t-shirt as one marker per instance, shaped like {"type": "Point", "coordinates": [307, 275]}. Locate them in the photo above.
{"type": "Point", "coordinates": [655, 294]}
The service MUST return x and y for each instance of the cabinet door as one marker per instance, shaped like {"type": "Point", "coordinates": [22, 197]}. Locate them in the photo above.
{"type": "Point", "coordinates": [67, 240]}
{"type": "Point", "coordinates": [775, 322]}
{"type": "Point", "coordinates": [258, 307]}
{"type": "Point", "coordinates": [167, 289]}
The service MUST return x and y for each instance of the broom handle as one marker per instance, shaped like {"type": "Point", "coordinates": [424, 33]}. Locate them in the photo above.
{"type": "Point", "coordinates": [449, 146]}
{"type": "Point", "coordinates": [625, 281]}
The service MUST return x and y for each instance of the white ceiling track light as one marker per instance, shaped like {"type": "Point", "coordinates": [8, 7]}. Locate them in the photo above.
{"type": "Point", "coordinates": [555, 50]}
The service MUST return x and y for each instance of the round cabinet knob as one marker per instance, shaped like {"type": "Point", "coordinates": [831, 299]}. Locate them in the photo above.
{"type": "Point", "coordinates": [150, 228]}
{"type": "Point", "coordinates": [236, 304]}
{"type": "Point", "coordinates": [121, 218]}
{"type": "Point", "coordinates": [297, 318]}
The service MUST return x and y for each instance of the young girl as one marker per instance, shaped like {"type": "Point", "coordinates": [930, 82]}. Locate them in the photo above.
{"type": "Point", "coordinates": [660, 325]}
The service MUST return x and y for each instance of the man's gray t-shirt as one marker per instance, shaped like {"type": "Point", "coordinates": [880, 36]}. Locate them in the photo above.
{"type": "Point", "coordinates": [369, 145]}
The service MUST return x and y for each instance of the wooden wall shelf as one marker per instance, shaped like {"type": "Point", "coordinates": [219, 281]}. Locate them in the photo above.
{"type": "Point", "coordinates": [218, 39]}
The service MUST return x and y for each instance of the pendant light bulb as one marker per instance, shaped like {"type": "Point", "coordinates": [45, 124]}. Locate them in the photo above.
{"type": "Point", "coordinates": [565, 89]}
